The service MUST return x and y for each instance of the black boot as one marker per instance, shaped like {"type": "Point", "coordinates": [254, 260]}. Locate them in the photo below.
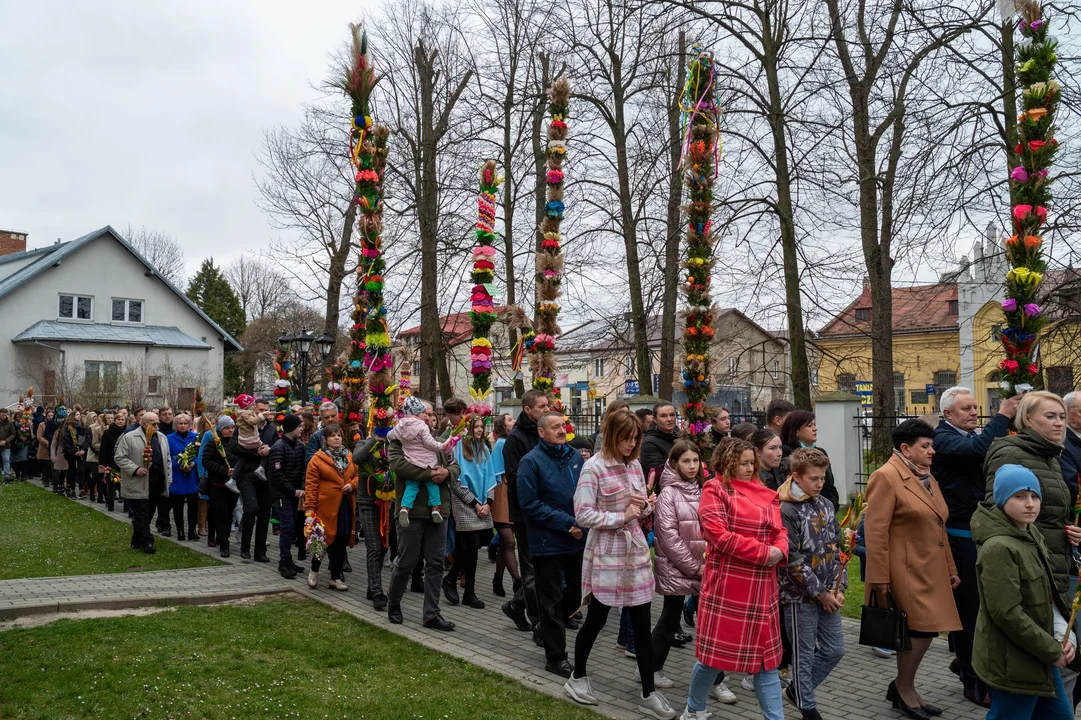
{"type": "Point", "coordinates": [394, 613]}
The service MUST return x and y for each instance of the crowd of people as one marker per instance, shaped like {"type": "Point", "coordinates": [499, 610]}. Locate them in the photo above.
{"type": "Point", "coordinates": [968, 533]}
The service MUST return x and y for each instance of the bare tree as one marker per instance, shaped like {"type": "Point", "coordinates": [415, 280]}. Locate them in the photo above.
{"type": "Point", "coordinates": [306, 189]}
{"type": "Point", "coordinates": [428, 45]}
{"type": "Point", "coordinates": [257, 284]}
{"type": "Point", "coordinates": [160, 249]}
{"type": "Point", "coordinates": [883, 54]}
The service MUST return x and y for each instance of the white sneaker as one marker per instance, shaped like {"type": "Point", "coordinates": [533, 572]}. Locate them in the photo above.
{"type": "Point", "coordinates": [580, 690]}
{"type": "Point", "coordinates": [883, 652]}
{"type": "Point", "coordinates": [689, 714]}
{"type": "Point", "coordinates": [656, 705]}
{"type": "Point", "coordinates": [403, 517]}
{"type": "Point", "coordinates": [724, 695]}
{"type": "Point", "coordinates": [231, 485]}
{"type": "Point", "coordinates": [313, 578]}
{"type": "Point", "coordinates": [437, 517]}
{"type": "Point", "coordinates": [747, 683]}
{"type": "Point", "coordinates": [659, 680]}
{"type": "Point", "coordinates": [338, 585]}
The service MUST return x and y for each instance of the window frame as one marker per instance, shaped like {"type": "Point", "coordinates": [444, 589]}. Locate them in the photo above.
{"type": "Point", "coordinates": [598, 367]}
{"type": "Point", "coordinates": [846, 385]}
{"type": "Point", "coordinates": [75, 298]}
{"type": "Point", "coordinates": [101, 387]}
{"type": "Point", "coordinates": [127, 311]}
{"type": "Point", "coordinates": [733, 366]}
{"type": "Point", "coordinates": [776, 372]}
{"type": "Point", "coordinates": [863, 314]}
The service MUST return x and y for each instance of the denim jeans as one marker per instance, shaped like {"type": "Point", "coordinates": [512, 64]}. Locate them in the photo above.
{"type": "Point", "coordinates": [817, 646]}
{"type": "Point", "coordinates": [5, 460]}
{"type": "Point", "coordinates": [767, 688]}
{"type": "Point", "coordinates": [1013, 706]}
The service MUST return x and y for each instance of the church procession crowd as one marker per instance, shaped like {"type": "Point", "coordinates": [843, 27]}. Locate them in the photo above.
{"type": "Point", "coordinates": [959, 532]}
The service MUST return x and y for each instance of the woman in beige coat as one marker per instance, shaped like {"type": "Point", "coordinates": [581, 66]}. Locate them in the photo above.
{"type": "Point", "coordinates": [908, 554]}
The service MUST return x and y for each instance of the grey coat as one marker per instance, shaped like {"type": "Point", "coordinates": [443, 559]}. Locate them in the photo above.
{"type": "Point", "coordinates": [129, 458]}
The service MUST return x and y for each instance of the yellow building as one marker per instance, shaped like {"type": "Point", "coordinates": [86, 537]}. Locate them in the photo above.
{"type": "Point", "coordinates": [926, 347]}
{"type": "Point", "coordinates": [939, 341]}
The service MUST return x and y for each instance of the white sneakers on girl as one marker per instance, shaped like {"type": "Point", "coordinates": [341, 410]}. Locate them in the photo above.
{"type": "Point", "coordinates": [689, 714]}
{"type": "Point", "coordinates": [580, 690]}
{"type": "Point", "coordinates": [723, 694]}
{"type": "Point", "coordinates": [437, 517]}
{"type": "Point", "coordinates": [338, 585]}
{"type": "Point", "coordinates": [403, 517]}
{"type": "Point", "coordinates": [313, 578]}
{"type": "Point", "coordinates": [659, 680]}
{"type": "Point", "coordinates": [656, 705]}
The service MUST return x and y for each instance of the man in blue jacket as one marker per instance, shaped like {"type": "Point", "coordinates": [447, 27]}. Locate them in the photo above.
{"type": "Point", "coordinates": [547, 479]}
{"type": "Point", "coordinates": [958, 468]}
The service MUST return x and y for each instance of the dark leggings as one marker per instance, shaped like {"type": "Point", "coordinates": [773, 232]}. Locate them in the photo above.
{"type": "Point", "coordinates": [596, 616]}
{"type": "Point", "coordinates": [505, 557]}
{"type": "Point", "coordinates": [336, 556]}
{"type": "Point", "coordinates": [224, 501]}
{"type": "Point", "coordinates": [178, 502]}
{"type": "Point", "coordinates": [665, 630]}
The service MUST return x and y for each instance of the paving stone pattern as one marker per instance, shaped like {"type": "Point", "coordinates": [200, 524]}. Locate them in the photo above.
{"type": "Point", "coordinates": [486, 638]}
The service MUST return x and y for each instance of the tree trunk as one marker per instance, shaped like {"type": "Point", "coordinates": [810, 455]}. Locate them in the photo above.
{"type": "Point", "coordinates": [430, 332]}
{"type": "Point", "coordinates": [630, 235]}
{"type": "Point", "coordinates": [334, 285]}
{"type": "Point", "coordinates": [446, 388]}
{"type": "Point", "coordinates": [1009, 100]}
{"type": "Point", "coordinates": [540, 158]}
{"type": "Point", "coordinates": [797, 342]}
{"type": "Point", "coordinates": [674, 227]}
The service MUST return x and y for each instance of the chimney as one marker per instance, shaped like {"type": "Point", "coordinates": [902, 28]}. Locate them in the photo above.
{"type": "Point", "coordinates": [12, 242]}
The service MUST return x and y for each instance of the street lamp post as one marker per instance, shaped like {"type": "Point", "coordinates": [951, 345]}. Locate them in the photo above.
{"type": "Point", "coordinates": [301, 346]}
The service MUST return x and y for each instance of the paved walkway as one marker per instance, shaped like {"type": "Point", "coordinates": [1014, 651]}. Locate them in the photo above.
{"type": "Point", "coordinates": [486, 638]}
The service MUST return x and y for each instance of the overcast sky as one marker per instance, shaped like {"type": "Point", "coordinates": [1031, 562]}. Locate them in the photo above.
{"type": "Point", "coordinates": [148, 113]}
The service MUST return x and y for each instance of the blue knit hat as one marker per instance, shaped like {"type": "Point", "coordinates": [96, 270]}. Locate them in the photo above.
{"type": "Point", "coordinates": [1012, 479]}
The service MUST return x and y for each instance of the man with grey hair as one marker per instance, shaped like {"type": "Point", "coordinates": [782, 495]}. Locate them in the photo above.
{"type": "Point", "coordinates": [328, 413]}
{"type": "Point", "coordinates": [142, 484]}
{"type": "Point", "coordinates": [958, 467]}
{"type": "Point", "coordinates": [1070, 459]}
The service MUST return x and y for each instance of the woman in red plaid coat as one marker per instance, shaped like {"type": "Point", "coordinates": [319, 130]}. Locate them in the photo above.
{"type": "Point", "coordinates": [737, 610]}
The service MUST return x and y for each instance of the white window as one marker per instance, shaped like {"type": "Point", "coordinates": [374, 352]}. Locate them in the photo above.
{"type": "Point", "coordinates": [776, 369]}
{"type": "Point", "coordinates": [733, 365]}
{"type": "Point", "coordinates": [127, 311]}
{"type": "Point", "coordinates": [598, 367]}
{"type": "Point", "coordinates": [628, 366]}
{"type": "Point", "coordinates": [75, 307]}
{"type": "Point", "coordinates": [101, 377]}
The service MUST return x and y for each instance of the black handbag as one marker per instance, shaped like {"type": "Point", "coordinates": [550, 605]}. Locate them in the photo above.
{"type": "Point", "coordinates": [884, 627]}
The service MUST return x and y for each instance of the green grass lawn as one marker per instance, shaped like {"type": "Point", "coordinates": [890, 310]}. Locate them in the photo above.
{"type": "Point", "coordinates": [854, 595]}
{"type": "Point", "coordinates": [45, 535]}
{"type": "Point", "coordinates": [283, 658]}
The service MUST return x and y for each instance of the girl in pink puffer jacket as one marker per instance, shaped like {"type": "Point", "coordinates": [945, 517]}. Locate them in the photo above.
{"type": "Point", "coordinates": [677, 541]}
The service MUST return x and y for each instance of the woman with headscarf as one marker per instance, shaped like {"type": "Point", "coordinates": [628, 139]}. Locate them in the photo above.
{"type": "Point", "coordinates": [330, 495]}
{"type": "Point", "coordinates": [218, 461]}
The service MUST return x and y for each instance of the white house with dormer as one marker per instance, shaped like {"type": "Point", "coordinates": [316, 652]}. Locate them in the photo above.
{"type": "Point", "coordinates": [92, 321]}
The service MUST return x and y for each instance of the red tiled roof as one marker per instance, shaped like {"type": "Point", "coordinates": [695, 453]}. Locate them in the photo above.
{"type": "Point", "coordinates": [915, 308]}
{"type": "Point", "coordinates": [456, 327]}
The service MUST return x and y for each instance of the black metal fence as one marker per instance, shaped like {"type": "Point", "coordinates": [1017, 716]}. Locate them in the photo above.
{"type": "Point", "coordinates": [864, 424]}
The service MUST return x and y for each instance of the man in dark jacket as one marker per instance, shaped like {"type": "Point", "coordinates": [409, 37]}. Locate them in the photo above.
{"type": "Point", "coordinates": [368, 519]}
{"type": "Point", "coordinates": [958, 468]}
{"type": "Point", "coordinates": [1070, 459]}
{"type": "Point", "coordinates": [254, 492]}
{"type": "Point", "coordinates": [721, 425]}
{"type": "Point", "coordinates": [547, 478]}
{"type": "Point", "coordinates": [421, 534]}
{"type": "Point", "coordinates": [285, 472]}
{"type": "Point", "coordinates": [522, 608]}
{"type": "Point", "coordinates": [165, 420]}
{"type": "Point", "coordinates": [659, 440]}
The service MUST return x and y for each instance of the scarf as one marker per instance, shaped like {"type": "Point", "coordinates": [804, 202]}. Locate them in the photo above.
{"type": "Point", "coordinates": [339, 456]}
{"type": "Point", "coordinates": [478, 474]}
{"type": "Point", "coordinates": [922, 472]}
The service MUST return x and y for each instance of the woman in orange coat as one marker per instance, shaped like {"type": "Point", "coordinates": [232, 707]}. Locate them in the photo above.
{"type": "Point", "coordinates": [908, 554]}
{"type": "Point", "coordinates": [330, 489]}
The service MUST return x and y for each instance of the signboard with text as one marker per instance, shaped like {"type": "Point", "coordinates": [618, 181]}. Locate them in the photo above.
{"type": "Point", "coordinates": [865, 391]}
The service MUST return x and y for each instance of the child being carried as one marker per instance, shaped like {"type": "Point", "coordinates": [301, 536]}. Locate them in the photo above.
{"type": "Point", "coordinates": [422, 450]}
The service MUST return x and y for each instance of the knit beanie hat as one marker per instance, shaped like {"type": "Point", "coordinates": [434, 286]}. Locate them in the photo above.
{"type": "Point", "coordinates": [290, 423]}
{"type": "Point", "coordinates": [223, 422]}
{"type": "Point", "coordinates": [1012, 479]}
{"type": "Point", "coordinates": [413, 405]}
